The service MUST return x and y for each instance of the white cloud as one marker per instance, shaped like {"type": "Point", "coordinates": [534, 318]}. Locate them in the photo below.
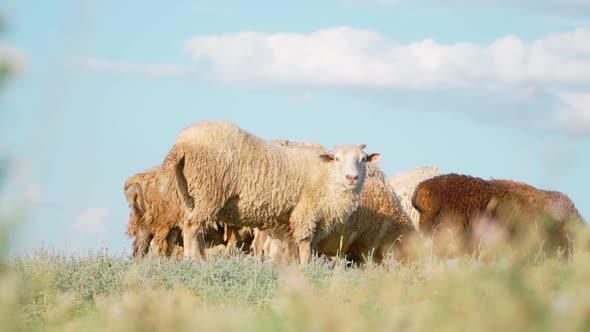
{"type": "Point", "coordinates": [345, 56]}
{"type": "Point", "coordinates": [537, 74]}
{"type": "Point", "coordinates": [92, 222]}
{"type": "Point", "coordinates": [155, 70]}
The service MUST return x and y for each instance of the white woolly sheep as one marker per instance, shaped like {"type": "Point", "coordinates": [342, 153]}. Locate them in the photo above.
{"type": "Point", "coordinates": [375, 228]}
{"type": "Point", "coordinates": [225, 172]}
{"type": "Point", "coordinates": [404, 184]}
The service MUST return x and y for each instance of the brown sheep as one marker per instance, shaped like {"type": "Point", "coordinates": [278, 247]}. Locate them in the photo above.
{"type": "Point", "coordinates": [375, 228]}
{"type": "Point", "coordinates": [452, 195]}
{"type": "Point", "coordinates": [453, 205]}
{"type": "Point", "coordinates": [553, 211]}
{"type": "Point", "coordinates": [556, 204]}
{"type": "Point", "coordinates": [155, 213]}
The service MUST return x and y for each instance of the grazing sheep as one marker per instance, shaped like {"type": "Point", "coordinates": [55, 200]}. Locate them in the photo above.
{"type": "Point", "coordinates": [554, 203]}
{"type": "Point", "coordinates": [156, 211]}
{"type": "Point", "coordinates": [404, 183]}
{"type": "Point", "coordinates": [225, 172]}
{"type": "Point", "coordinates": [455, 204]}
{"type": "Point", "coordinates": [553, 211]}
{"type": "Point", "coordinates": [460, 197]}
{"type": "Point", "coordinates": [372, 230]}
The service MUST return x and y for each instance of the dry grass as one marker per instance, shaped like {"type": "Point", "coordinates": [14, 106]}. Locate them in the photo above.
{"type": "Point", "coordinates": [48, 291]}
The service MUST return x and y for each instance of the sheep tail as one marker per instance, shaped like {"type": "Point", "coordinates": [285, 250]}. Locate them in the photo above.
{"type": "Point", "coordinates": [176, 159]}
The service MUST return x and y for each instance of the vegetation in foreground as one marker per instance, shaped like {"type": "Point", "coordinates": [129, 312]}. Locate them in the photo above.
{"type": "Point", "coordinates": [49, 291]}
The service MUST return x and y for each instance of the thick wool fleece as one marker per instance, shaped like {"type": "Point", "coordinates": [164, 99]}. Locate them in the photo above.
{"type": "Point", "coordinates": [554, 203]}
{"type": "Point", "coordinates": [375, 228]}
{"type": "Point", "coordinates": [156, 212]}
{"type": "Point", "coordinates": [155, 208]}
{"type": "Point", "coordinates": [462, 199]}
{"type": "Point", "coordinates": [404, 184]}
{"type": "Point", "coordinates": [227, 173]}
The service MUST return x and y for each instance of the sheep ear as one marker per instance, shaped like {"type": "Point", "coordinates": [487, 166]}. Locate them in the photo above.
{"type": "Point", "coordinates": [134, 198]}
{"type": "Point", "coordinates": [362, 146]}
{"type": "Point", "coordinates": [327, 158]}
{"type": "Point", "coordinates": [373, 157]}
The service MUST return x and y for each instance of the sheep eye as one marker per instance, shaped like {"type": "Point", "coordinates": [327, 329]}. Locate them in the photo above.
{"type": "Point", "coordinates": [336, 159]}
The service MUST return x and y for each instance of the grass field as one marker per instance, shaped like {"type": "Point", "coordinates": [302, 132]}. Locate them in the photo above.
{"type": "Point", "coordinates": [48, 291]}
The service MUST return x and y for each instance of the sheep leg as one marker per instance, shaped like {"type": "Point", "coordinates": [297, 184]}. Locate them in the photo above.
{"type": "Point", "coordinates": [266, 246]}
{"type": "Point", "coordinates": [155, 247]}
{"type": "Point", "coordinates": [255, 247]}
{"type": "Point", "coordinates": [303, 226]}
{"type": "Point", "coordinates": [201, 245]}
{"type": "Point", "coordinates": [159, 245]}
{"type": "Point", "coordinates": [141, 244]}
{"type": "Point", "coordinates": [304, 251]}
{"type": "Point", "coordinates": [171, 241]}
{"type": "Point", "coordinates": [274, 250]}
{"type": "Point", "coordinates": [232, 239]}
{"type": "Point", "coordinates": [188, 238]}
{"type": "Point", "coordinates": [194, 242]}
{"type": "Point", "coordinates": [193, 229]}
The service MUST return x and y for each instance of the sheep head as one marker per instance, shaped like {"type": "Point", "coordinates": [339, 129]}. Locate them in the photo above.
{"type": "Point", "coordinates": [349, 165]}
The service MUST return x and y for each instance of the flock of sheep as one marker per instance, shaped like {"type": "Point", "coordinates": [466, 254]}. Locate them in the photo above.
{"type": "Point", "coordinates": [221, 185]}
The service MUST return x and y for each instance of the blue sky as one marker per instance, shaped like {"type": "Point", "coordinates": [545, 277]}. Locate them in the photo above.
{"type": "Point", "coordinates": [487, 88]}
